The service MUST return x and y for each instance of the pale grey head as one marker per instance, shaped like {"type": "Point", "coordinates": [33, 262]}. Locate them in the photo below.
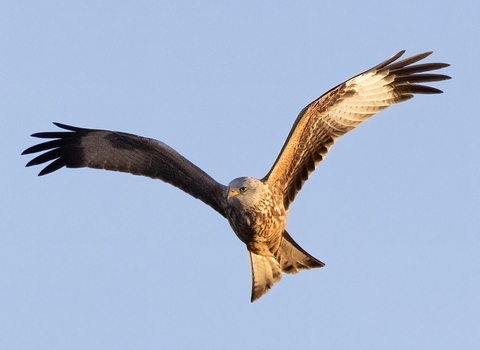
{"type": "Point", "coordinates": [245, 192]}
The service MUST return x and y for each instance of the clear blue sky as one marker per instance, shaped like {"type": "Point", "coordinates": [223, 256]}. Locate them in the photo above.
{"type": "Point", "coordinates": [100, 260]}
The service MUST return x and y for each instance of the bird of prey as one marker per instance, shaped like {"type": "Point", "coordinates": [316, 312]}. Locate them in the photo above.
{"type": "Point", "coordinates": [255, 208]}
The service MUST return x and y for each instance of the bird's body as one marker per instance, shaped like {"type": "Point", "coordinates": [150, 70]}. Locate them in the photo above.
{"type": "Point", "coordinates": [255, 208]}
{"type": "Point", "coordinates": [256, 213]}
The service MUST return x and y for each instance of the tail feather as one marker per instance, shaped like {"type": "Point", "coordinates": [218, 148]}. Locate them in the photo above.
{"type": "Point", "coordinates": [289, 258]}
{"type": "Point", "coordinates": [292, 258]}
{"type": "Point", "coordinates": [265, 273]}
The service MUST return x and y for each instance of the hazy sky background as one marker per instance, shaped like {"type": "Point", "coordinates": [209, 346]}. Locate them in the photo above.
{"type": "Point", "coordinates": [100, 260]}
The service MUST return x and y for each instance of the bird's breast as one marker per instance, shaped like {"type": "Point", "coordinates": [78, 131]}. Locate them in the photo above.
{"type": "Point", "coordinates": [259, 227]}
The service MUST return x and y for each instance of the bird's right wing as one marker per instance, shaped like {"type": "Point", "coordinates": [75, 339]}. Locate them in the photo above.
{"type": "Point", "coordinates": [342, 109]}
{"type": "Point", "coordinates": [118, 151]}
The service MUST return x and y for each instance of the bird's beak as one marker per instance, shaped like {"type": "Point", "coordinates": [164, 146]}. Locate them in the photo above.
{"type": "Point", "coordinates": [233, 192]}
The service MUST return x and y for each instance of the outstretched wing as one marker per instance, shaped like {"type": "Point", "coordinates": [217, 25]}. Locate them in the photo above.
{"type": "Point", "coordinates": [341, 109]}
{"type": "Point", "coordinates": [118, 151]}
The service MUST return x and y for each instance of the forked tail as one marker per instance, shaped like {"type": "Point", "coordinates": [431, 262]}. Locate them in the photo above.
{"type": "Point", "coordinates": [289, 258]}
{"type": "Point", "coordinates": [292, 258]}
{"type": "Point", "coordinates": [265, 273]}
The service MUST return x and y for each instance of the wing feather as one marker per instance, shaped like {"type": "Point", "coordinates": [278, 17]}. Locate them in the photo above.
{"type": "Point", "coordinates": [118, 151]}
{"type": "Point", "coordinates": [342, 109]}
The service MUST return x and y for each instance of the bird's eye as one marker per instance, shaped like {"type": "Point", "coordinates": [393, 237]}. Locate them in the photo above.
{"type": "Point", "coordinates": [242, 189]}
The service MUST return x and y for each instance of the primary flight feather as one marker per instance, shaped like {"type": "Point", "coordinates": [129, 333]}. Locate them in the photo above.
{"type": "Point", "coordinates": [255, 208]}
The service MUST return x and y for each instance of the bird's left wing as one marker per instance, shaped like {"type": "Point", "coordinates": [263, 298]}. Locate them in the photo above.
{"type": "Point", "coordinates": [343, 108]}
{"type": "Point", "coordinates": [118, 151]}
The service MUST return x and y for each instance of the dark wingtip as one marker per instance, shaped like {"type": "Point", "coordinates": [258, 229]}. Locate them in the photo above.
{"type": "Point", "coordinates": [67, 127]}
{"type": "Point", "coordinates": [54, 166]}
{"type": "Point", "coordinates": [398, 55]}
{"type": "Point", "coordinates": [443, 76]}
{"type": "Point", "coordinates": [29, 164]}
{"type": "Point", "coordinates": [30, 150]}
{"type": "Point", "coordinates": [53, 148]}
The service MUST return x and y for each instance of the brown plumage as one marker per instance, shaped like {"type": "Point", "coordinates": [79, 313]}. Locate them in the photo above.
{"type": "Point", "coordinates": [256, 209]}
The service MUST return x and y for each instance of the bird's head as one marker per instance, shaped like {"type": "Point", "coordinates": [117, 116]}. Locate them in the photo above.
{"type": "Point", "coordinates": [246, 191]}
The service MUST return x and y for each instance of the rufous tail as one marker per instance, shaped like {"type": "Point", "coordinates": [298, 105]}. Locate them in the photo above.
{"type": "Point", "coordinates": [289, 258]}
